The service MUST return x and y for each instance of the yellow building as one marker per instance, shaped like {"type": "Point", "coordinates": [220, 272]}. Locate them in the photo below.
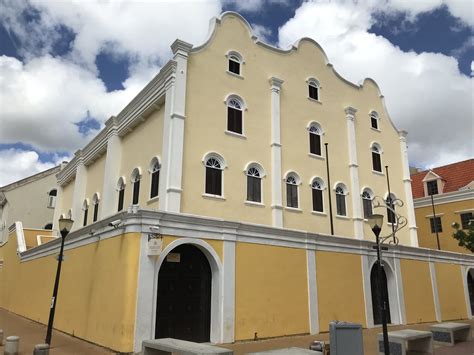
{"type": "Point", "coordinates": [202, 210]}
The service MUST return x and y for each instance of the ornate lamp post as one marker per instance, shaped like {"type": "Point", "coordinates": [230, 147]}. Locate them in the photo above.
{"type": "Point", "coordinates": [65, 225]}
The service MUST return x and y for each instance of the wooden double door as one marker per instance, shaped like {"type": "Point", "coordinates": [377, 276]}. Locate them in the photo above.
{"type": "Point", "coordinates": [184, 296]}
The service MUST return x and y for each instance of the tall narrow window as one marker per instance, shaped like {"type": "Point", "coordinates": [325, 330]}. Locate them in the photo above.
{"type": "Point", "coordinates": [313, 89]}
{"type": "Point", "coordinates": [254, 184]}
{"type": "Point", "coordinates": [367, 203]}
{"type": "Point", "coordinates": [390, 211]}
{"type": "Point", "coordinates": [234, 63]}
{"type": "Point", "coordinates": [121, 193]}
{"type": "Point", "coordinates": [213, 176]}
{"type": "Point", "coordinates": [95, 202]}
{"type": "Point", "coordinates": [341, 200]}
{"type": "Point", "coordinates": [155, 177]}
{"type": "Point", "coordinates": [136, 177]}
{"type": "Point", "coordinates": [374, 120]}
{"type": "Point", "coordinates": [432, 187]}
{"type": "Point", "coordinates": [376, 160]}
{"type": "Point", "coordinates": [292, 191]}
{"type": "Point", "coordinates": [317, 190]}
{"type": "Point", "coordinates": [52, 198]}
{"type": "Point", "coordinates": [435, 224]}
{"type": "Point", "coordinates": [315, 132]}
{"type": "Point", "coordinates": [85, 208]}
{"type": "Point", "coordinates": [234, 115]}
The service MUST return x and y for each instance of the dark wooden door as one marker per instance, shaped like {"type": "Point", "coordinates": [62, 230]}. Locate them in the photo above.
{"type": "Point", "coordinates": [470, 287]}
{"type": "Point", "coordinates": [184, 296]}
{"type": "Point", "coordinates": [378, 291]}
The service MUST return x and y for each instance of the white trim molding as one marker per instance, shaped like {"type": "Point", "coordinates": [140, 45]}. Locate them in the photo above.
{"type": "Point", "coordinates": [434, 285]}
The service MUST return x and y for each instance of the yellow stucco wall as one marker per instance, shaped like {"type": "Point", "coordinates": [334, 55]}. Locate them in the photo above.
{"type": "Point", "coordinates": [340, 288]}
{"type": "Point", "coordinates": [418, 291]}
{"type": "Point", "coordinates": [206, 114]}
{"type": "Point", "coordinates": [30, 236]}
{"type": "Point", "coordinates": [450, 291]}
{"type": "Point", "coordinates": [271, 292]}
{"type": "Point", "coordinates": [97, 293]}
{"type": "Point", "coordinates": [447, 212]}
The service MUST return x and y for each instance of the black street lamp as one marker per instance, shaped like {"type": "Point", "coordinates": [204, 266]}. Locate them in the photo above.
{"type": "Point", "coordinates": [65, 225]}
{"type": "Point", "coordinates": [375, 223]}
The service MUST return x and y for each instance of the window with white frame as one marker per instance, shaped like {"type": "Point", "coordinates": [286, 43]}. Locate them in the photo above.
{"type": "Point", "coordinates": [466, 218]}
{"type": "Point", "coordinates": [292, 182]}
{"type": "Point", "coordinates": [367, 197]}
{"type": "Point", "coordinates": [374, 120]}
{"type": "Point", "coordinates": [85, 209]}
{"type": "Point", "coordinates": [376, 157]}
{"type": "Point", "coordinates": [313, 89]}
{"type": "Point", "coordinates": [135, 180]}
{"type": "Point", "coordinates": [432, 187]}
{"type": "Point", "coordinates": [52, 198]}
{"type": "Point", "coordinates": [121, 193]}
{"type": "Point", "coordinates": [214, 166]}
{"type": "Point", "coordinates": [341, 192]}
{"type": "Point", "coordinates": [235, 62]}
{"type": "Point", "coordinates": [435, 225]}
{"type": "Point", "coordinates": [254, 183]}
{"type": "Point", "coordinates": [155, 168]}
{"type": "Point", "coordinates": [235, 109]}
{"type": "Point", "coordinates": [315, 133]}
{"type": "Point", "coordinates": [95, 202]}
{"type": "Point", "coordinates": [317, 187]}
{"type": "Point", "coordinates": [390, 201]}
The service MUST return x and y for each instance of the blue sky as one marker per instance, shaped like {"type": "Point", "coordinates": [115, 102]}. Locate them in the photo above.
{"type": "Point", "coordinates": [65, 68]}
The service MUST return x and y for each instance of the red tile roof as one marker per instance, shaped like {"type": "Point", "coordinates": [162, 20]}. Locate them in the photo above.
{"type": "Point", "coordinates": [455, 175]}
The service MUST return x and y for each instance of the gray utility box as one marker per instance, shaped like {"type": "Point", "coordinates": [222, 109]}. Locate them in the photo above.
{"type": "Point", "coordinates": [345, 338]}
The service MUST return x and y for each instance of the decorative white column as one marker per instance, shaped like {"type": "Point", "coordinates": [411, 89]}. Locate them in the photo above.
{"type": "Point", "coordinates": [277, 207]}
{"type": "Point", "coordinates": [408, 193]}
{"type": "Point", "coordinates": [354, 174]}
{"type": "Point", "coordinates": [173, 129]}
{"type": "Point", "coordinates": [79, 192]}
{"type": "Point", "coordinates": [113, 162]}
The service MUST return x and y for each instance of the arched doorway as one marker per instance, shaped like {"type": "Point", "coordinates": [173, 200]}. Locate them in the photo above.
{"type": "Point", "coordinates": [378, 291]}
{"type": "Point", "coordinates": [470, 288]}
{"type": "Point", "coordinates": [183, 309]}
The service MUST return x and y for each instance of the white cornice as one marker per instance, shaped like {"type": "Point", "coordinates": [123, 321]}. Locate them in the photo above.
{"type": "Point", "coordinates": [448, 197]}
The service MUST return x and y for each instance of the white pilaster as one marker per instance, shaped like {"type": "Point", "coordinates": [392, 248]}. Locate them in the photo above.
{"type": "Point", "coordinates": [408, 193]}
{"type": "Point", "coordinates": [400, 291]}
{"type": "Point", "coordinates": [312, 292]}
{"type": "Point", "coordinates": [173, 130]}
{"type": "Point", "coordinates": [354, 174]}
{"type": "Point", "coordinates": [434, 285]}
{"type": "Point", "coordinates": [464, 273]}
{"type": "Point", "coordinates": [277, 206]}
{"type": "Point", "coordinates": [79, 193]}
{"type": "Point", "coordinates": [112, 170]}
{"type": "Point", "coordinates": [369, 314]}
{"type": "Point", "coordinates": [228, 292]}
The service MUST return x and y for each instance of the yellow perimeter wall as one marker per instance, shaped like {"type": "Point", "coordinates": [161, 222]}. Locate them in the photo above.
{"type": "Point", "coordinates": [340, 288]}
{"type": "Point", "coordinates": [271, 291]}
{"type": "Point", "coordinates": [418, 291]}
{"type": "Point", "coordinates": [450, 291]}
{"type": "Point", "coordinates": [97, 292]}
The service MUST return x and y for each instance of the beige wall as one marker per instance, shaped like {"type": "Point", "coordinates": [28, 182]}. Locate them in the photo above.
{"type": "Point", "coordinates": [95, 182]}
{"type": "Point", "coordinates": [450, 291]}
{"type": "Point", "coordinates": [66, 197]}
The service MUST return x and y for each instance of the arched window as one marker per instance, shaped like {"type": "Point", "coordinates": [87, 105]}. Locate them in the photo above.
{"type": "Point", "coordinates": [367, 196]}
{"type": "Point", "coordinates": [315, 133]}
{"type": "Point", "coordinates": [95, 202]}
{"type": "Point", "coordinates": [376, 159]}
{"type": "Point", "coordinates": [317, 187]}
{"type": "Point", "coordinates": [121, 193]}
{"type": "Point", "coordinates": [214, 166]}
{"type": "Point", "coordinates": [341, 193]}
{"type": "Point", "coordinates": [374, 120]}
{"type": "Point", "coordinates": [235, 108]}
{"type": "Point", "coordinates": [135, 179]}
{"type": "Point", "coordinates": [390, 203]}
{"type": "Point", "coordinates": [52, 198]}
{"type": "Point", "coordinates": [155, 177]}
{"type": "Point", "coordinates": [254, 183]}
{"type": "Point", "coordinates": [85, 208]}
{"type": "Point", "coordinates": [313, 89]}
{"type": "Point", "coordinates": [292, 182]}
{"type": "Point", "coordinates": [235, 61]}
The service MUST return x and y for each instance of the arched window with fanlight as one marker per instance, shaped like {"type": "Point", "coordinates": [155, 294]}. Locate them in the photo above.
{"type": "Point", "coordinates": [214, 165]}
{"type": "Point", "coordinates": [235, 62]}
{"type": "Point", "coordinates": [154, 170]}
{"type": "Point", "coordinates": [374, 120]}
{"type": "Point", "coordinates": [292, 181]}
{"type": "Point", "coordinates": [135, 180]}
{"type": "Point", "coordinates": [254, 174]}
{"type": "Point", "coordinates": [315, 133]}
{"type": "Point", "coordinates": [85, 209]}
{"type": "Point", "coordinates": [95, 202]}
{"type": "Point", "coordinates": [313, 89]}
{"type": "Point", "coordinates": [341, 192]}
{"type": "Point", "coordinates": [367, 197]}
{"type": "Point", "coordinates": [317, 187]}
{"type": "Point", "coordinates": [376, 150]}
{"type": "Point", "coordinates": [390, 201]}
{"type": "Point", "coordinates": [121, 193]}
{"type": "Point", "coordinates": [235, 108]}
{"type": "Point", "coordinates": [52, 198]}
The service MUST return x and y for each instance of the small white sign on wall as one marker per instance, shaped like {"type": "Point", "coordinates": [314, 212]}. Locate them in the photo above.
{"type": "Point", "coordinates": [155, 246]}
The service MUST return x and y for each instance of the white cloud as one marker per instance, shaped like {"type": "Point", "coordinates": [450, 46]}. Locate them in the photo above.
{"type": "Point", "coordinates": [425, 93]}
{"type": "Point", "coordinates": [263, 33]}
{"type": "Point", "coordinates": [21, 163]}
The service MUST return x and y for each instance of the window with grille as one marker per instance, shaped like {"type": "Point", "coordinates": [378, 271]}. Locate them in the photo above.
{"type": "Point", "coordinates": [291, 192]}
{"type": "Point", "coordinates": [432, 187]}
{"type": "Point", "coordinates": [340, 201]}
{"type": "Point", "coordinates": [367, 204]}
{"type": "Point", "coordinates": [254, 185]}
{"type": "Point", "coordinates": [234, 116]}
{"type": "Point", "coordinates": [315, 140]}
{"type": "Point", "coordinates": [317, 192]}
{"type": "Point", "coordinates": [465, 218]}
{"type": "Point", "coordinates": [213, 177]}
{"type": "Point", "coordinates": [435, 224]}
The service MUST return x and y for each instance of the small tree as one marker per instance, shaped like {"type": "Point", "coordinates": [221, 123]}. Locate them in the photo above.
{"type": "Point", "coordinates": [464, 239]}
